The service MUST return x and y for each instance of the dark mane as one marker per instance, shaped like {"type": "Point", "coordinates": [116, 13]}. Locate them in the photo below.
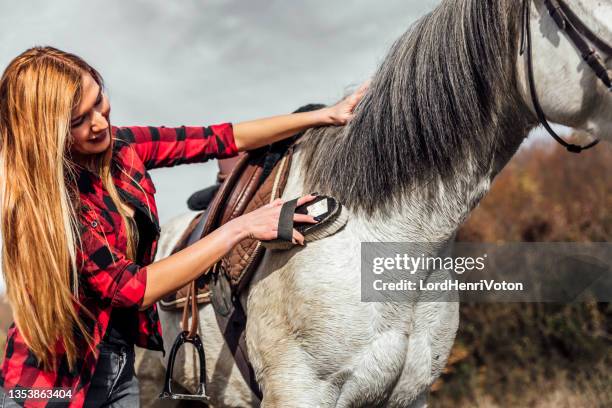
{"type": "Point", "coordinates": [435, 100]}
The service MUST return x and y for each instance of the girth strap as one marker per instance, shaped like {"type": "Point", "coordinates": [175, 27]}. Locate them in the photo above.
{"type": "Point", "coordinates": [233, 327]}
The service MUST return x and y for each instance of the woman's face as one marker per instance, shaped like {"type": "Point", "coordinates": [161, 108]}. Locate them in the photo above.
{"type": "Point", "coordinates": [89, 125]}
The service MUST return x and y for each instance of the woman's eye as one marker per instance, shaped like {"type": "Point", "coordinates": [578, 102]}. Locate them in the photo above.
{"type": "Point", "coordinates": [82, 119]}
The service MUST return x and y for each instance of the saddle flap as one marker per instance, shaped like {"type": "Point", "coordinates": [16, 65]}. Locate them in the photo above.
{"type": "Point", "coordinates": [242, 260]}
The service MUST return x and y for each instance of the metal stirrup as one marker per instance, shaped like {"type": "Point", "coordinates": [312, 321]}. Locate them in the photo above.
{"type": "Point", "coordinates": [187, 336]}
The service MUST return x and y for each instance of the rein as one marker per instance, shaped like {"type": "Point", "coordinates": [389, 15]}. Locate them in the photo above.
{"type": "Point", "coordinates": [580, 35]}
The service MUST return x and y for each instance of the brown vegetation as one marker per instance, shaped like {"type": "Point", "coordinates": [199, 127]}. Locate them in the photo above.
{"type": "Point", "coordinates": [537, 355]}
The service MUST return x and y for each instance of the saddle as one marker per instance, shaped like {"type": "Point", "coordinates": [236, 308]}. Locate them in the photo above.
{"type": "Point", "coordinates": [258, 178]}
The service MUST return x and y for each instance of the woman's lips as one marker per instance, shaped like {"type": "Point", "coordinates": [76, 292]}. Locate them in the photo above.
{"type": "Point", "coordinates": [99, 138]}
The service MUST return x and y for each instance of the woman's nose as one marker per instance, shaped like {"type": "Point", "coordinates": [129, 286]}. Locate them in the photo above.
{"type": "Point", "coordinates": [99, 122]}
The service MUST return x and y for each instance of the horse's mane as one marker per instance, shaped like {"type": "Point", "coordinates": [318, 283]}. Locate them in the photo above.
{"type": "Point", "coordinates": [434, 102]}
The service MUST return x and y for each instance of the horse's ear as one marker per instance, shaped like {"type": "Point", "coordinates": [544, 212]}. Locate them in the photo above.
{"type": "Point", "coordinates": [310, 107]}
{"type": "Point", "coordinates": [305, 108]}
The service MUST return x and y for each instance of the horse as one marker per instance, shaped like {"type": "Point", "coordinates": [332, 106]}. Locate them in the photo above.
{"type": "Point", "coordinates": [446, 110]}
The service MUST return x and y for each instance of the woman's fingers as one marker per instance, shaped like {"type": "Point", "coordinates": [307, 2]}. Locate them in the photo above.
{"type": "Point", "coordinates": [363, 87]}
{"type": "Point", "coordinates": [357, 95]}
{"type": "Point", "coordinates": [305, 199]}
{"type": "Point", "coordinates": [273, 213]}
{"type": "Point", "coordinates": [298, 238]}
{"type": "Point", "coordinates": [304, 218]}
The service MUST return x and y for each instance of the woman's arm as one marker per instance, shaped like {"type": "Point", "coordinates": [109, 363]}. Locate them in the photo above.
{"type": "Point", "coordinates": [256, 133]}
{"type": "Point", "coordinates": [170, 146]}
{"type": "Point", "coordinates": [180, 268]}
{"type": "Point", "coordinates": [160, 146]}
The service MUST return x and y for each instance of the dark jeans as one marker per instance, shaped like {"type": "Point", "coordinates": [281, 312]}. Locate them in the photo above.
{"type": "Point", "coordinates": [113, 385]}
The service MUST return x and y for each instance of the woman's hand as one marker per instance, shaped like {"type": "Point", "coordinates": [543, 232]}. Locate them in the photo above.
{"type": "Point", "coordinates": [262, 223]}
{"type": "Point", "coordinates": [342, 112]}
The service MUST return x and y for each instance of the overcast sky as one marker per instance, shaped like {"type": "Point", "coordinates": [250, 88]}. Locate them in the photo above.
{"type": "Point", "coordinates": [193, 62]}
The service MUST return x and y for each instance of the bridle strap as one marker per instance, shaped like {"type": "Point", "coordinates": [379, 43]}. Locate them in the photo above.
{"type": "Point", "coordinates": [585, 31]}
{"type": "Point", "coordinates": [590, 56]}
{"type": "Point", "coordinates": [576, 30]}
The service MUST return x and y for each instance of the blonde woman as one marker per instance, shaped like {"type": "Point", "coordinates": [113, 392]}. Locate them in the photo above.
{"type": "Point", "coordinates": [80, 227]}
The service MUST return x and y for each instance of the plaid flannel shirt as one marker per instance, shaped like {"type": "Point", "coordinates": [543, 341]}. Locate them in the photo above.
{"type": "Point", "coordinates": [108, 279]}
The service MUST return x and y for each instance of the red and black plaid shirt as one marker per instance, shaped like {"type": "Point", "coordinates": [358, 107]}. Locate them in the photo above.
{"type": "Point", "coordinates": [108, 279]}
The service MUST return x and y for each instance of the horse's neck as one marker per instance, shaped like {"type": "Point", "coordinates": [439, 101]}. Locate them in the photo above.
{"type": "Point", "coordinates": [434, 215]}
{"type": "Point", "coordinates": [433, 210]}
{"type": "Point", "coordinates": [423, 214]}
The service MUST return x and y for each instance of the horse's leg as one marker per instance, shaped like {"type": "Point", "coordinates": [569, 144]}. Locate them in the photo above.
{"type": "Point", "coordinates": [287, 380]}
{"type": "Point", "coordinates": [281, 365]}
{"type": "Point", "coordinates": [291, 386]}
{"type": "Point", "coordinates": [429, 345]}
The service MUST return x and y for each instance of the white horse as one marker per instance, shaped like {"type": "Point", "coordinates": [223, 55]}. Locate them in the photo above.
{"type": "Point", "coordinates": [445, 112]}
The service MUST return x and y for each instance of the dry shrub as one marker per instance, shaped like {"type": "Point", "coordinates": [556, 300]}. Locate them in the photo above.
{"type": "Point", "coordinates": [537, 355]}
{"type": "Point", "coordinates": [547, 194]}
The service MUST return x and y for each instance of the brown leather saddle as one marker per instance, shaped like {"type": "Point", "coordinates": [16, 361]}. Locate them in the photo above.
{"type": "Point", "coordinates": [257, 179]}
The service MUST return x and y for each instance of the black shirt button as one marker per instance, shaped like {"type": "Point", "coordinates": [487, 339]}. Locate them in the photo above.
{"type": "Point", "coordinates": [94, 224]}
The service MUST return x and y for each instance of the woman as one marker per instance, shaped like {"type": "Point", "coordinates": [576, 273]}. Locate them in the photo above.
{"type": "Point", "coordinates": [80, 227]}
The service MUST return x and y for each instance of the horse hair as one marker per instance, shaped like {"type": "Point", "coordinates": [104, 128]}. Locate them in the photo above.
{"type": "Point", "coordinates": [436, 101]}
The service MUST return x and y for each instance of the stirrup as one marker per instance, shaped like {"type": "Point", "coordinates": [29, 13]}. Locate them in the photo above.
{"type": "Point", "coordinates": [200, 395]}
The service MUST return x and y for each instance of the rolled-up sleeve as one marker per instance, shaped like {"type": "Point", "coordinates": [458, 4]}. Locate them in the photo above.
{"type": "Point", "coordinates": [109, 275]}
{"type": "Point", "coordinates": [169, 146]}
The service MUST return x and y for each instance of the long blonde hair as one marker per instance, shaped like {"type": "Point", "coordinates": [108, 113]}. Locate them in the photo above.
{"type": "Point", "coordinates": [40, 199]}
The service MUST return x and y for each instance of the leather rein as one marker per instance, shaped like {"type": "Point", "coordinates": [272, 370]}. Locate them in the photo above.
{"type": "Point", "coordinates": [580, 35]}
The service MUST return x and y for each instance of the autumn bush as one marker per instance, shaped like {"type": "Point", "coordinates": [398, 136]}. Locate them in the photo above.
{"type": "Point", "coordinates": [536, 354]}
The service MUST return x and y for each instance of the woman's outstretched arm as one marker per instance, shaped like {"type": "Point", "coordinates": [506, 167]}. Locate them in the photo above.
{"type": "Point", "coordinates": [161, 146]}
